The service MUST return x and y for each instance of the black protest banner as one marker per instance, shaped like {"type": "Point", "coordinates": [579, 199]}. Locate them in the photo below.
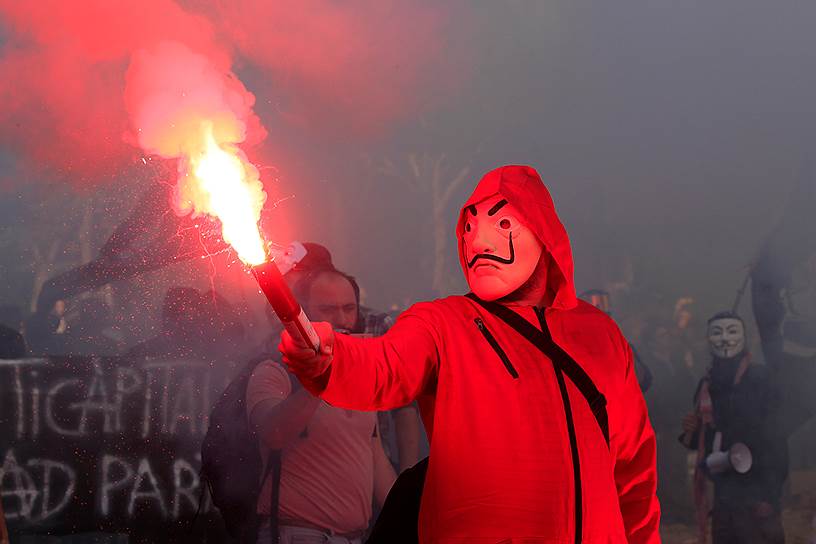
{"type": "Point", "coordinates": [107, 444]}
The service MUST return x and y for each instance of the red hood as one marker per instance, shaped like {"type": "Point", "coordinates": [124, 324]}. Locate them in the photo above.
{"type": "Point", "coordinates": [522, 187]}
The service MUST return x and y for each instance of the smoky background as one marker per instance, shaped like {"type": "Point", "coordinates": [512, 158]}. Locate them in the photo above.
{"type": "Point", "coordinates": [676, 139]}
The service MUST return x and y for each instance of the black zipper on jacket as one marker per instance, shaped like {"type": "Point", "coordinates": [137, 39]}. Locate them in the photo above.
{"type": "Point", "coordinates": [576, 462]}
{"type": "Point", "coordinates": [573, 439]}
{"type": "Point", "coordinates": [496, 347]}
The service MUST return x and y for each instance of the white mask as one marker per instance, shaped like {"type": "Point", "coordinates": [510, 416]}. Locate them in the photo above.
{"type": "Point", "coordinates": [726, 337]}
{"type": "Point", "coordinates": [501, 252]}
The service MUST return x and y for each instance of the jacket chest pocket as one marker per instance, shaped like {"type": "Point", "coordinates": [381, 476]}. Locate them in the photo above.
{"type": "Point", "coordinates": [494, 344]}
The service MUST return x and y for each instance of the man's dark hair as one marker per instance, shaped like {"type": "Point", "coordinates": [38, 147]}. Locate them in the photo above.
{"type": "Point", "coordinates": [317, 263]}
{"type": "Point", "coordinates": [303, 287]}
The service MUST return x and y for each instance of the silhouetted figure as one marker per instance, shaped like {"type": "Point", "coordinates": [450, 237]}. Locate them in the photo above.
{"type": "Point", "coordinates": [194, 325]}
{"type": "Point", "coordinates": [90, 329]}
{"type": "Point", "coordinates": [45, 331]}
{"type": "Point", "coordinates": [672, 385]}
{"type": "Point", "coordinates": [600, 299]}
{"type": "Point", "coordinates": [12, 345]}
{"type": "Point", "coordinates": [11, 316]}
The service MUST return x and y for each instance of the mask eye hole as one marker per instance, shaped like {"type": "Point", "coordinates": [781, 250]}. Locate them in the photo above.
{"type": "Point", "coordinates": [468, 228]}
{"type": "Point", "coordinates": [506, 224]}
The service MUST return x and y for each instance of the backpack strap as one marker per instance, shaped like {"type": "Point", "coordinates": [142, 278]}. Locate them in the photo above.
{"type": "Point", "coordinates": [273, 467]}
{"type": "Point", "coordinates": [542, 339]}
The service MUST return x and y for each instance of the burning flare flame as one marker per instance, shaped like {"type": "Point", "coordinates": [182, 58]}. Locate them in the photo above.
{"type": "Point", "coordinates": [218, 180]}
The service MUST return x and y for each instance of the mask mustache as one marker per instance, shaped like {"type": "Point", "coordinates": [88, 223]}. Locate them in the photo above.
{"type": "Point", "coordinates": [725, 343]}
{"type": "Point", "coordinates": [489, 257]}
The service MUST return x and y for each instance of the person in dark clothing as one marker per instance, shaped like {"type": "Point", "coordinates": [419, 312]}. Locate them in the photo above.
{"type": "Point", "coordinates": [397, 522]}
{"type": "Point", "coordinates": [737, 403]}
{"type": "Point", "coordinates": [600, 299]}
{"type": "Point", "coordinates": [12, 345]}
{"type": "Point", "coordinates": [45, 331]}
{"type": "Point", "coordinates": [91, 329]}
{"type": "Point", "coordinates": [788, 342]}
{"type": "Point", "coordinates": [794, 372]}
{"type": "Point", "coordinates": [11, 316]}
{"type": "Point", "coordinates": [194, 325]}
{"type": "Point", "coordinates": [668, 396]}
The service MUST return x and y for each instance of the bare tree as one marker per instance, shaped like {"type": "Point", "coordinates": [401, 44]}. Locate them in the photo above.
{"type": "Point", "coordinates": [149, 238]}
{"type": "Point", "coordinates": [433, 175]}
{"type": "Point", "coordinates": [54, 238]}
{"type": "Point", "coordinates": [44, 257]}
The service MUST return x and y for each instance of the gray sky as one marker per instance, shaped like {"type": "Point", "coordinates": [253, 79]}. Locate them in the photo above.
{"type": "Point", "coordinates": [669, 132]}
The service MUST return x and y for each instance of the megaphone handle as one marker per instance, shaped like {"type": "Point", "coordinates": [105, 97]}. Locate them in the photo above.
{"type": "Point", "coordinates": [717, 445]}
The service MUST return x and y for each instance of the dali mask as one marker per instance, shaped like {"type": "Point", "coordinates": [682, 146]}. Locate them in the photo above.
{"type": "Point", "coordinates": [501, 252]}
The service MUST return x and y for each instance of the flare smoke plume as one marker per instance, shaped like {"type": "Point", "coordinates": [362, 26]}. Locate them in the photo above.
{"type": "Point", "coordinates": [86, 88]}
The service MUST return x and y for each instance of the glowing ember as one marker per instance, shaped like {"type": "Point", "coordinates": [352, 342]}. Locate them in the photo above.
{"type": "Point", "coordinates": [217, 180]}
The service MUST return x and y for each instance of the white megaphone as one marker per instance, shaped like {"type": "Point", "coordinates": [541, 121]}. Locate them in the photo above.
{"type": "Point", "coordinates": [738, 457]}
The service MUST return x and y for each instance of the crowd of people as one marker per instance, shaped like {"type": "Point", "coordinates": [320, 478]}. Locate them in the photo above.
{"type": "Point", "coordinates": [721, 414]}
{"type": "Point", "coordinates": [336, 466]}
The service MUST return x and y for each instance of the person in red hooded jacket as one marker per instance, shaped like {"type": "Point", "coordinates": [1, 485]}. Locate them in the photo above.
{"type": "Point", "coordinates": [538, 430]}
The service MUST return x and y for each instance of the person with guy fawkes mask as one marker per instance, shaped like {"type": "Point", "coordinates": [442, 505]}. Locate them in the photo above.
{"type": "Point", "coordinates": [741, 447]}
{"type": "Point", "coordinates": [537, 426]}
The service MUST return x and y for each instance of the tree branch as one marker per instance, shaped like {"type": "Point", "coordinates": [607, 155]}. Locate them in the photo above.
{"type": "Point", "coordinates": [455, 184]}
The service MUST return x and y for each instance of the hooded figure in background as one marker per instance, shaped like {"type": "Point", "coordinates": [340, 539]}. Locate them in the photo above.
{"type": "Point", "coordinates": [529, 397]}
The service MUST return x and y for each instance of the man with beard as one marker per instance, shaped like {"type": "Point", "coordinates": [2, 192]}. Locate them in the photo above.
{"type": "Point", "coordinates": [400, 428]}
{"type": "Point", "coordinates": [538, 429]}
{"type": "Point", "coordinates": [737, 407]}
{"type": "Point", "coordinates": [333, 466]}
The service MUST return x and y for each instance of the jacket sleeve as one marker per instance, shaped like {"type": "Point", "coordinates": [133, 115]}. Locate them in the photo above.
{"type": "Point", "coordinates": [635, 461]}
{"type": "Point", "coordinates": [386, 372]}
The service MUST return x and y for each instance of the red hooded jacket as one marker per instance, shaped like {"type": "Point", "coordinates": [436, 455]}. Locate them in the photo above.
{"type": "Point", "coordinates": [501, 463]}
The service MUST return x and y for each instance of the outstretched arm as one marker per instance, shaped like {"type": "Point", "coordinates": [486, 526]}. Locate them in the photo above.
{"type": "Point", "coordinates": [369, 373]}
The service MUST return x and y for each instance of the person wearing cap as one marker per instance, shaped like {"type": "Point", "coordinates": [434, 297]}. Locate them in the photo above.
{"type": "Point", "coordinates": [400, 428]}
{"type": "Point", "coordinates": [333, 466]}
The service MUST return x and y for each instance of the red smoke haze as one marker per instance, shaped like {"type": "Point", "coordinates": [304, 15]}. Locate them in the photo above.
{"type": "Point", "coordinates": [79, 79]}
